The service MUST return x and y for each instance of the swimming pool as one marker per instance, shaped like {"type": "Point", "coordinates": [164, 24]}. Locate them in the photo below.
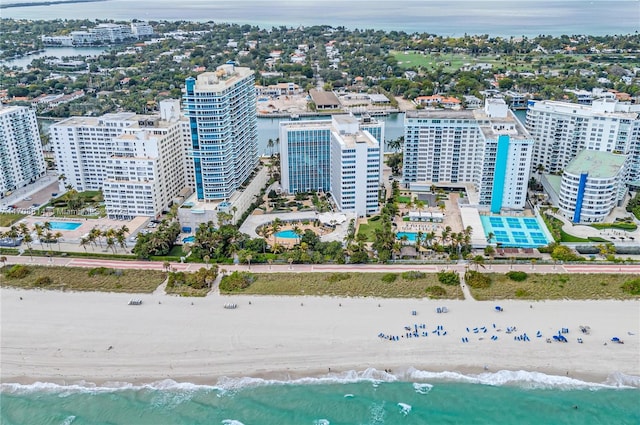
{"type": "Point", "coordinates": [63, 225]}
{"type": "Point", "coordinates": [411, 236]}
{"type": "Point", "coordinates": [523, 232]}
{"type": "Point", "coordinates": [189, 239]}
{"type": "Point", "coordinates": [287, 234]}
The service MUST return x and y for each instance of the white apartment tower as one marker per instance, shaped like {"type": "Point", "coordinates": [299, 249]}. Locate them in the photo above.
{"type": "Point", "coordinates": [486, 147]}
{"type": "Point", "coordinates": [223, 148]}
{"type": "Point", "coordinates": [355, 167]}
{"type": "Point", "coordinates": [21, 158]}
{"type": "Point", "coordinates": [136, 160]}
{"type": "Point", "coordinates": [562, 130]}
{"type": "Point", "coordinates": [306, 150]}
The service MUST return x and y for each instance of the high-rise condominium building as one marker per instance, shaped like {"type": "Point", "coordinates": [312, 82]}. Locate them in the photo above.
{"type": "Point", "coordinates": [223, 150]}
{"type": "Point", "coordinates": [486, 147]}
{"type": "Point", "coordinates": [342, 156]}
{"type": "Point", "coordinates": [137, 160]}
{"type": "Point", "coordinates": [562, 130]}
{"type": "Point", "coordinates": [592, 186]}
{"type": "Point", "coordinates": [21, 158]}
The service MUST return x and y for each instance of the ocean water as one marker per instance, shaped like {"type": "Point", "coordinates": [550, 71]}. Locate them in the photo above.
{"type": "Point", "coordinates": [368, 398]}
{"type": "Point", "coordinates": [451, 17]}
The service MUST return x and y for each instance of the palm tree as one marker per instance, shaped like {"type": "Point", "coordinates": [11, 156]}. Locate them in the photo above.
{"type": "Point", "coordinates": [58, 236]}
{"type": "Point", "coordinates": [96, 234]}
{"type": "Point", "coordinates": [298, 233]}
{"type": "Point", "coordinates": [111, 243]}
{"type": "Point", "coordinates": [248, 258]}
{"type": "Point", "coordinates": [13, 233]}
{"type": "Point", "coordinates": [84, 242]}
{"type": "Point", "coordinates": [270, 144]}
{"type": "Point", "coordinates": [276, 225]}
{"type": "Point", "coordinates": [206, 260]}
{"type": "Point", "coordinates": [442, 207]}
{"type": "Point", "coordinates": [121, 239]}
{"type": "Point", "coordinates": [490, 236]}
{"type": "Point", "coordinates": [476, 261]}
{"type": "Point", "coordinates": [166, 265]}
{"type": "Point", "coordinates": [27, 239]}
{"type": "Point", "coordinates": [39, 233]}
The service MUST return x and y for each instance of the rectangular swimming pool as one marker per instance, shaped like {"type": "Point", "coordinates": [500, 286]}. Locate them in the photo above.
{"type": "Point", "coordinates": [522, 232]}
{"type": "Point", "coordinates": [63, 225]}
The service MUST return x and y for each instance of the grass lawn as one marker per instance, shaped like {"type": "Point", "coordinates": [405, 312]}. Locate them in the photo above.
{"type": "Point", "coordinates": [555, 286]}
{"type": "Point", "coordinates": [78, 279]}
{"type": "Point", "coordinates": [369, 228]}
{"type": "Point", "coordinates": [403, 199]}
{"type": "Point", "coordinates": [619, 225]}
{"type": "Point", "coordinates": [187, 291]}
{"type": "Point", "coordinates": [354, 285]}
{"type": "Point", "coordinates": [7, 219]}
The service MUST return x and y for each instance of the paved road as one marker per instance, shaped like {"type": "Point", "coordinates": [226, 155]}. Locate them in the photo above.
{"type": "Point", "coordinates": [319, 268]}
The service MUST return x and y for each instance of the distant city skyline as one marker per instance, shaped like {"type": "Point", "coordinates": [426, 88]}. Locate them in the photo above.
{"type": "Point", "coordinates": [448, 18]}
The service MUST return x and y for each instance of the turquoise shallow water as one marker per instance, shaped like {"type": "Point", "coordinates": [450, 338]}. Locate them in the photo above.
{"type": "Point", "coordinates": [427, 398]}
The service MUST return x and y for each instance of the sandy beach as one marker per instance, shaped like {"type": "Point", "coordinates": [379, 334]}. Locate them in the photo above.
{"type": "Point", "coordinates": [97, 337]}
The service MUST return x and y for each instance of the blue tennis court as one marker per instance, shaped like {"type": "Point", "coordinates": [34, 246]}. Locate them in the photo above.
{"type": "Point", "coordinates": [522, 232]}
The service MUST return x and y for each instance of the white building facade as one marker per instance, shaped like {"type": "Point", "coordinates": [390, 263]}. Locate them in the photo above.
{"type": "Point", "coordinates": [487, 147]}
{"type": "Point", "coordinates": [21, 158]}
{"type": "Point", "coordinates": [356, 169]}
{"type": "Point", "coordinates": [305, 150]}
{"type": "Point", "coordinates": [136, 160]}
{"type": "Point", "coordinates": [562, 130]}
{"type": "Point", "coordinates": [223, 147]}
{"type": "Point", "coordinates": [592, 186]}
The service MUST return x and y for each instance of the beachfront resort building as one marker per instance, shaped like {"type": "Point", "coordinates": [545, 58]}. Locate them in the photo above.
{"type": "Point", "coordinates": [562, 130]}
{"type": "Point", "coordinates": [21, 158]}
{"type": "Point", "coordinates": [342, 156]}
{"type": "Point", "coordinates": [138, 161]}
{"type": "Point", "coordinates": [223, 145]}
{"type": "Point", "coordinates": [590, 186]}
{"type": "Point", "coordinates": [487, 147]}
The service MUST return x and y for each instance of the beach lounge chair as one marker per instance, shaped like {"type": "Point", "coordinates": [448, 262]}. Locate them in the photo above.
{"type": "Point", "coordinates": [498, 308]}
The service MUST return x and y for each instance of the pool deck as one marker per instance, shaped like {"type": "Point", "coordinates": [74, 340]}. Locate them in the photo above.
{"type": "Point", "coordinates": [87, 224]}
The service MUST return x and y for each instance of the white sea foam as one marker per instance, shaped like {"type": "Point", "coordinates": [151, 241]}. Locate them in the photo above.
{"type": "Point", "coordinates": [321, 422]}
{"type": "Point", "coordinates": [224, 385]}
{"type": "Point", "coordinates": [422, 388]}
{"type": "Point", "coordinates": [89, 387]}
{"type": "Point", "coordinates": [369, 375]}
{"type": "Point", "coordinates": [405, 409]}
{"type": "Point", "coordinates": [68, 420]}
{"type": "Point", "coordinates": [231, 422]}
{"type": "Point", "coordinates": [526, 379]}
{"type": "Point", "coordinates": [348, 396]}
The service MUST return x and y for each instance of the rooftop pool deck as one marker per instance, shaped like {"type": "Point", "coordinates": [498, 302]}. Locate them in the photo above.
{"type": "Point", "coordinates": [521, 232]}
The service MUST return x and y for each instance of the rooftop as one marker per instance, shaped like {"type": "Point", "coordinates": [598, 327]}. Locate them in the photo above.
{"type": "Point", "coordinates": [324, 98]}
{"type": "Point", "coordinates": [223, 77]}
{"type": "Point", "coordinates": [350, 140]}
{"type": "Point", "coordinates": [599, 165]}
{"type": "Point", "coordinates": [491, 126]}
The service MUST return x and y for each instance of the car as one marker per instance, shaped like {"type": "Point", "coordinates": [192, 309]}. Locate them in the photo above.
{"type": "Point", "coordinates": [36, 205]}
{"type": "Point", "coordinates": [28, 198]}
{"type": "Point", "coordinates": [54, 194]}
